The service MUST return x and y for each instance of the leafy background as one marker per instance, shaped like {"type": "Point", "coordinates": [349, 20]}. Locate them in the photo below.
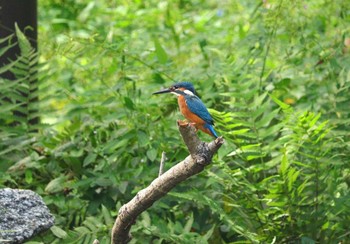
{"type": "Point", "coordinates": [275, 75]}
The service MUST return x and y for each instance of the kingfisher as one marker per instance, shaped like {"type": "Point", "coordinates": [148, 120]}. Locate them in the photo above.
{"type": "Point", "coordinates": [192, 107]}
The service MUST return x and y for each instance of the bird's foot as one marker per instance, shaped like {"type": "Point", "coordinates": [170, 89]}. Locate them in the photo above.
{"type": "Point", "coordinates": [182, 123]}
{"type": "Point", "coordinates": [194, 125]}
{"type": "Point", "coordinates": [185, 123]}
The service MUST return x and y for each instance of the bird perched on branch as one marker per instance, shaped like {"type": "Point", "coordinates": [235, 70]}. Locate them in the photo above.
{"type": "Point", "coordinates": [192, 107]}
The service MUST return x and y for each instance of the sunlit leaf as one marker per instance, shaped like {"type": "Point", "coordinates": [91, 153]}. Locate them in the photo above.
{"type": "Point", "coordinates": [57, 231]}
{"type": "Point", "coordinates": [56, 185]}
{"type": "Point", "coordinates": [152, 154]}
{"type": "Point", "coordinates": [161, 54]}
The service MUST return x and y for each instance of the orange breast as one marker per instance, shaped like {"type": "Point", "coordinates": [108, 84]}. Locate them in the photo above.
{"type": "Point", "coordinates": [187, 113]}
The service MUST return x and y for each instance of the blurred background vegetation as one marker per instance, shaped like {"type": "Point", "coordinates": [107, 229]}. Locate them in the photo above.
{"type": "Point", "coordinates": [275, 75]}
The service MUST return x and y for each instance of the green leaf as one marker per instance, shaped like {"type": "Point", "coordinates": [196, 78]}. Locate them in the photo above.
{"type": "Point", "coordinates": [307, 240]}
{"type": "Point", "coordinates": [57, 231]}
{"type": "Point", "coordinates": [146, 219]}
{"type": "Point", "coordinates": [82, 230]}
{"type": "Point", "coordinates": [314, 120]}
{"type": "Point", "coordinates": [123, 186]}
{"type": "Point", "coordinates": [108, 101]}
{"type": "Point", "coordinates": [107, 216]}
{"type": "Point", "coordinates": [239, 132]}
{"type": "Point", "coordinates": [28, 176]}
{"type": "Point", "coordinates": [23, 42]}
{"type": "Point", "coordinates": [6, 39]}
{"type": "Point", "coordinates": [292, 177]}
{"type": "Point", "coordinates": [56, 185]}
{"type": "Point", "coordinates": [90, 158]}
{"type": "Point", "coordinates": [8, 66]}
{"type": "Point", "coordinates": [279, 102]}
{"type": "Point", "coordinates": [189, 223]}
{"type": "Point", "coordinates": [103, 182]}
{"type": "Point", "coordinates": [160, 52]}
{"type": "Point", "coordinates": [152, 154]}
{"type": "Point", "coordinates": [114, 144]}
{"type": "Point", "coordinates": [143, 138]}
{"type": "Point", "coordinates": [129, 103]}
{"type": "Point", "coordinates": [209, 233]}
{"type": "Point", "coordinates": [5, 49]}
{"type": "Point", "coordinates": [267, 118]}
{"type": "Point", "coordinates": [284, 164]}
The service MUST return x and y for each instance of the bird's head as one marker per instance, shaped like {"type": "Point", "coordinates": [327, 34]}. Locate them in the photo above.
{"type": "Point", "coordinates": [179, 88]}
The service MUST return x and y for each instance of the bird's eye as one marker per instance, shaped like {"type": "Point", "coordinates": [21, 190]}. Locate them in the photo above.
{"type": "Point", "coordinates": [175, 87]}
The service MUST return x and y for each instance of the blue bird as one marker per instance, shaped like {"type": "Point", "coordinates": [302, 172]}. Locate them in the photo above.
{"type": "Point", "coordinates": [192, 107]}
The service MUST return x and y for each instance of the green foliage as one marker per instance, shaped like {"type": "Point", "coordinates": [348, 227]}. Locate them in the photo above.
{"type": "Point", "coordinates": [18, 96]}
{"type": "Point", "coordinates": [274, 74]}
{"type": "Point", "coordinates": [19, 100]}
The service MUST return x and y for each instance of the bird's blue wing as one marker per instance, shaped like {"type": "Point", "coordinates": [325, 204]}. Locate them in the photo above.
{"type": "Point", "coordinates": [197, 107]}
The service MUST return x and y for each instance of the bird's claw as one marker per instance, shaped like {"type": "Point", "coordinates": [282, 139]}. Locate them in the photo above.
{"type": "Point", "coordinates": [184, 123]}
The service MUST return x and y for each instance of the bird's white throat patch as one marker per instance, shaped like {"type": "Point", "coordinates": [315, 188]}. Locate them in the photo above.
{"type": "Point", "coordinates": [175, 93]}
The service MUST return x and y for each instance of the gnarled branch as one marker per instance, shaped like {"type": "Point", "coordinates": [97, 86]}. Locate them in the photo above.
{"type": "Point", "coordinates": [201, 156]}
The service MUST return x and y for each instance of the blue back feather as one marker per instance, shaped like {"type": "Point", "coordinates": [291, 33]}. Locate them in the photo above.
{"type": "Point", "coordinates": [197, 107]}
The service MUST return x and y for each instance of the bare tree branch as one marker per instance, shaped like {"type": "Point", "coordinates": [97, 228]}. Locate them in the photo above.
{"type": "Point", "coordinates": [201, 156]}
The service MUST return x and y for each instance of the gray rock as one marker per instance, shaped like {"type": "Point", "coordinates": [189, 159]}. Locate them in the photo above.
{"type": "Point", "coordinates": [23, 214]}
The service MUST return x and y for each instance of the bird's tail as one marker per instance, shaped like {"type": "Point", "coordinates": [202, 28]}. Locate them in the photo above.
{"type": "Point", "coordinates": [211, 130]}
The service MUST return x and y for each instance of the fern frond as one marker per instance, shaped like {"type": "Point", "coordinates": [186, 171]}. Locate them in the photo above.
{"type": "Point", "coordinates": [19, 110]}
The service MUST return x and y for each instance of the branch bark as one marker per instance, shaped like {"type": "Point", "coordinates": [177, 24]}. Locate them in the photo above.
{"type": "Point", "coordinates": [201, 154]}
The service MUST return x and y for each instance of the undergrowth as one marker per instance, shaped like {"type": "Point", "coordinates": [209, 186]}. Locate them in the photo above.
{"type": "Point", "coordinates": [274, 75]}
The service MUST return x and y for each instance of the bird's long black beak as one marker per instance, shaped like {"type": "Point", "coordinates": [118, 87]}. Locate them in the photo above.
{"type": "Point", "coordinates": [167, 90]}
